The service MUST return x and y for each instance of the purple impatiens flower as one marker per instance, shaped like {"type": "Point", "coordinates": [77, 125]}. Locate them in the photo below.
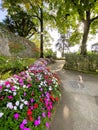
{"type": "Point", "coordinates": [22, 125]}
{"type": "Point", "coordinates": [47, 125]}
{"type": "Point", "coordinates": [43, 114]}
{"type": "Point", "coordinates": [37, 122]}
{"type": "Point", "coordinates": [26, 128]}
{"type": "Point", "coordinates": [24, 121]}
{"type": "Point", "coordinates": [31, 100]}
{"type": "Point", "coordinates": [24, 94]}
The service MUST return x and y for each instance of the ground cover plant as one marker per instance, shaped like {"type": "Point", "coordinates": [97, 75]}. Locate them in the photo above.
{"type": "Point", "coordinates": [27, 98]}
{"type": "Point", "coordinates": [13, 65]}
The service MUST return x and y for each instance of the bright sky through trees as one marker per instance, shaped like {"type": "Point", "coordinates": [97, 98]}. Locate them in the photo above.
{"type": "Point", "coordinates": [3, 12]}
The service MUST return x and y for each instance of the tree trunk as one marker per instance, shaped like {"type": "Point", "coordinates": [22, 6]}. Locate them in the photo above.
{"type": "Point", "coordinates": [85, 36]}
{"type": "Point", "coordinates": [63, 50]}
{"type": "Point", "coordinates": [41, 35]}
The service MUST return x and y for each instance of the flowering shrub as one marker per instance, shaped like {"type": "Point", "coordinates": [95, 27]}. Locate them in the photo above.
{"type": "Point", "coordinates": [26, 99]}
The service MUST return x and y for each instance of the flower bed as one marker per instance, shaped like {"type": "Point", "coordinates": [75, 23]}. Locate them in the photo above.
{"type": "Point", "coordinates": [27, 99]}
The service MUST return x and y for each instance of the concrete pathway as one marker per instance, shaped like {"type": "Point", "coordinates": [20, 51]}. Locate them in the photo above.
{"type": "Point", "coordinates": [78, 108]}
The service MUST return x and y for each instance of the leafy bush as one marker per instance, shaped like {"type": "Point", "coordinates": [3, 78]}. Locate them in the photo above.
{"type": "Point", "coordinates": [27, 99]}
{"type": "Point", "coordinates": [49, 53]}
{"type": "Point", "coordinates": [14, 65]}
{"type": "Point", "coordinates": [81, 63]}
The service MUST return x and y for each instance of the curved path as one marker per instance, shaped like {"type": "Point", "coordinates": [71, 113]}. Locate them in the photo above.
{"type": "Point", "coordinates": [78, 108]}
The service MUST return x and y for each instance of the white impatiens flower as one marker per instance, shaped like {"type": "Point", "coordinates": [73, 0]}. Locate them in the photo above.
{"type": "Point", "coordinates": [17, 103]}
{"type": "Point", "coordinates": [1, 114]}
{"type": "Point", "coordinates": [50, 88]}
{"type": "Point", "coordinates": [41, 83]}
{"type": "Point", "coordinates": [6, 90]}
{"type": "Point", "coordinates": [2, 82]}
{"type": "Point", "coordinates": [15, 107]}
{"type": "Point", "coordinates": [24, 86]}
{"type": "Point", "coordinates": [14, 93]}
{"type": "Point", "coordinates": [45, 83]}
{"type": "Point", "coordinates": [10, 105]}
{"type": "Point", "coordinates": [39, 86]}
{"type": "Point", "coordinates": [8, 86]}
{"type": "Point", "coordinates": [26, 102]}
{"type": "Point", "coordinates": [16, 87]}
{"type": "Point", "coordinates": [9, 91]}
{"type": "Point", "coordinates": [21, 106]}
{"type": "Point", "coordinates": [22, 100]}
{"type": "Point", "coordinates": [31, 74]}
{"type": "Point", "coordinates": [15, 81]}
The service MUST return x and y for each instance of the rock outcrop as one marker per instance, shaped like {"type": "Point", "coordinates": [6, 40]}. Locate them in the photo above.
{"type": "Point", "coordinates": [13, 45]}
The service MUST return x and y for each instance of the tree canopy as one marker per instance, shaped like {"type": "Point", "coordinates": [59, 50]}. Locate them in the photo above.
{"type": "Point", "coordinates": [64, 15]}
{"type": "Point", "coordinates": [37, 9]}
{"type": "Point", "coordinates": [21, 23]}
{"type": "Point", "coordinates": [71, 13]}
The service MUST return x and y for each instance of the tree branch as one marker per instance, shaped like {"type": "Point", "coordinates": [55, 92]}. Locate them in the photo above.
{"type": "Point", "coordinates": [88, 15]}
{"type": "Point", "coordinates": [93, 19]}
{"type": "Point", "coordinates": [36, 16]}
{"type": "Point", "coordinates": [28, 37]}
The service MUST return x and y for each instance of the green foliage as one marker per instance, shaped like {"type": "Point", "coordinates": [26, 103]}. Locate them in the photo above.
{"type": "Point", "coordinates": [94, 27]}
{"type": "Point", "coordinates": [9, 66]}
{"type": "Point", "coordinates": [49, 53]}
{"type": "Point", "coordinates": [69, 13]}
{"type": "Point", "coordinates": [2, 60]}
{"type": "Point", "coordinates": [65, 14]}
{"type": "Point", "coordinates": [20, 22]}
{"type": "Point", "coordinates": [78, 62]}
{"type": "Point", "coordinates": [75, 38]}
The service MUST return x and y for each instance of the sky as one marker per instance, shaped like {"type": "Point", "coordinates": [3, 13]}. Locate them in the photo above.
{"type": "Point", "coordinates": [3, 12]}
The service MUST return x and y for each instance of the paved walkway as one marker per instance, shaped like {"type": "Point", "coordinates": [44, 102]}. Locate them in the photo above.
{"type": "Point", "coordinates": [78, 108]}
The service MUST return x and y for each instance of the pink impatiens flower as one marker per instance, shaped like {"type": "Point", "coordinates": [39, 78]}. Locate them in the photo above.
{"type": "Point", "coordinates": [0, 87]}
{"type": "Point", "coordinates": [16, 116]}
{"type": "Point", "coordinates": [10, 97]}
{"type": "Point", "coordinates": [12, 88]}
{"type": "Point", "coordinates": [7, 83]}
{"type": "Point", "coordinates": [20, 80]}
{"type": "Point", "coordinates": [49, 114]}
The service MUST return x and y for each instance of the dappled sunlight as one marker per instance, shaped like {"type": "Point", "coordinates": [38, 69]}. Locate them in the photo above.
{"type": "Point", "coordinates": [66, 112]}
{"type": "Point", "coordinates": [57, 66]}
{"type": "Point", "coordinates": [58, 54]}
{"type": "Point", "coordinates": [76, 99]}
